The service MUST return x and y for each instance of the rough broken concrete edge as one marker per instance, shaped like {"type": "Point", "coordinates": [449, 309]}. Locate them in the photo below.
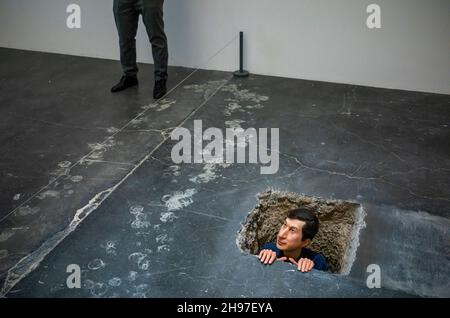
{"type": "Point", "coordinates": [240, 237]}
{"type": "Point", "coordinates": [239, 240]}
{"type": "Point", "coordinates": [350, 255]}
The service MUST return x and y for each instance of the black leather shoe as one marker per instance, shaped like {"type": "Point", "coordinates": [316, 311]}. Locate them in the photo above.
{"type": "Point", "coordinates": [124, 83]}
{"type": "Point", "coordinates": [159, 90]}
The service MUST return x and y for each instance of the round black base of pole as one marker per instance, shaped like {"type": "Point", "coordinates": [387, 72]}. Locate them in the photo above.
{"type": "Point", "coordinates": [242, 73]}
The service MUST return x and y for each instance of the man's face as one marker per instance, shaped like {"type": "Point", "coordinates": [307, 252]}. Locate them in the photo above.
{"type": "Point", "coordinates": [290, 235]}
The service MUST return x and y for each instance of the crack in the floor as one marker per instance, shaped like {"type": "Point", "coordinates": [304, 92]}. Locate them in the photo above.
{"type": "Point", "coordinates": [32, 260]}
{"type": "Point", "coordinates": [300, 163]}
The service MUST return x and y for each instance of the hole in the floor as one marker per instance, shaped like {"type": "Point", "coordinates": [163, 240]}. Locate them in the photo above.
{"type": "Point", "coordinates": [338, 236]}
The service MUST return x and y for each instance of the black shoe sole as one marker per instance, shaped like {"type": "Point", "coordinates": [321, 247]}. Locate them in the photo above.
{"type": "Point", "coordinates": [115, 90]}
{"type": "Point", "coordinates": [159, 96]}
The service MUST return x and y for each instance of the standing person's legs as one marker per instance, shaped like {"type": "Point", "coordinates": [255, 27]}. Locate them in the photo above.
{"type": "Point", "coordinates": [126, 15]}
{"type": "Point", "coordinates": [152, 12]}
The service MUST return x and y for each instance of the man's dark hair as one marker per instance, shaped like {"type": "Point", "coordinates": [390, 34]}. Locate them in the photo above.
{"type": "Point", "coordinates": [311, 226]}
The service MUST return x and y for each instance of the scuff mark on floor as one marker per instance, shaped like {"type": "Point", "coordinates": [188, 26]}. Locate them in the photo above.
{"type": "Point", "coordinates": [64, 164]}
{"type": "Point", "coordinates": [3, 254]}
{"type": "Point", "coordinates": [48, 194]}
{"type": "Point", "coordinates": [98, 150]}
{"type": "Point", "coordinates": [110, 247]}
{"type": "Point", "coordinates": [27, 210]}
{"type": "Point", "coordinates": [160, 105]}
{"type": "Point", "coordinates": [209, 172]}
{"type": "Point", "coordinates": [179, 199]}
{"type": "Point", "coordinates": [96, 264]}
{"type": "Point", "coordinates": [167, 217]}
{"type": "Point", "coordinates": [6, 234]}
{"type": "Point", "coordinates": [115, 282]}
{"type": "Point", "coordinates": [112, 130]}
{"type": "Point", "coordinates": [234, 124]}
{"type": "Point", "coordinates": [76, 179]}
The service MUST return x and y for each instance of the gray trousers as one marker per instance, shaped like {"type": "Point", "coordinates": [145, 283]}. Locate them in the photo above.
{"type": "Point", "coordinates": [126, 15]}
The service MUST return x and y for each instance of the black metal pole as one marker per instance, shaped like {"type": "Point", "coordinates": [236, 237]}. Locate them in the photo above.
{"type": "Point", "coordinates": [241, 72]}
{"type": "Point", "coordinates": [241, 51]}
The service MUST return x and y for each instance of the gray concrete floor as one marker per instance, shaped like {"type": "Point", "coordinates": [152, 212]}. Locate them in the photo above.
{"type": "Point", "coordinates": [87, 178]}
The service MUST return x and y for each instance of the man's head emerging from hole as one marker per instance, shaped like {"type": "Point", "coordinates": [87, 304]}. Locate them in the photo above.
{"type": "Point", "coordinates": [297, 231]}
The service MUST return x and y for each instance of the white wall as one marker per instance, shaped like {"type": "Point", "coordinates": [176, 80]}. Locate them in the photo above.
{"type": "Point", "coordinates": [323, 40]}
